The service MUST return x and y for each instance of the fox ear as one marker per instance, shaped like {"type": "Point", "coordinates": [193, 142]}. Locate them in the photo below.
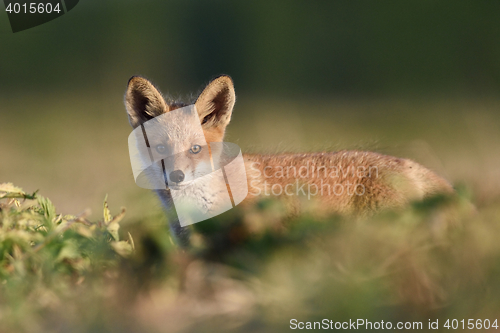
{"type": "Point", "coordinates": [143, 101]}
{"type": "Point", "coordinates": [215, 104]}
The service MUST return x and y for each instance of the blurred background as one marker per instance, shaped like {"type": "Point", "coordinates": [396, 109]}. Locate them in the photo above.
{"type": "Point", "coordinates": [418, 79]}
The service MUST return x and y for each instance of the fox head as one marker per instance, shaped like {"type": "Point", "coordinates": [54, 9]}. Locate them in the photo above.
{"type": "Point", "coordinates": [179, 134]}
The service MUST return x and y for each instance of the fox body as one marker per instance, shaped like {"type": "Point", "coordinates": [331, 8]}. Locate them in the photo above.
{"type": "Point", "coordinates": [353, 182]}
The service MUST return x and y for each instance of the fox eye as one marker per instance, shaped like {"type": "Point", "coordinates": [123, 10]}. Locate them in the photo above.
{"type": "Point", "coordinates": [161, 149]}
{"type": "Point", "coordinates": [195, 149]}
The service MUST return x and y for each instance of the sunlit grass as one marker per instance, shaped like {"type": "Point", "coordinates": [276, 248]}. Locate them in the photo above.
{"type": "Point", "coordinates": [255, 269]}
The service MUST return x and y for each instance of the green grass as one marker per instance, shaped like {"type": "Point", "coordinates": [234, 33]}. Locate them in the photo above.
{"type": "Point", "coordinates": [64, 271]}
{"type": "Point", "coordinates": [44, 255]}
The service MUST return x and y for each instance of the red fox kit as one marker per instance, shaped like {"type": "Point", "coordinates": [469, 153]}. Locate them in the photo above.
{"type": "Point", "coordinates": [344, 182]}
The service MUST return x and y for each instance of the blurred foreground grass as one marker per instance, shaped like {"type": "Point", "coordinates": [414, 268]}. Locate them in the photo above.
{"type": "Point", "coordinates": [249, 271]}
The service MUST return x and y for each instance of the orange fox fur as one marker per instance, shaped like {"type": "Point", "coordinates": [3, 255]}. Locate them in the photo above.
{"type": "Point", "coordinates": [344, 181]}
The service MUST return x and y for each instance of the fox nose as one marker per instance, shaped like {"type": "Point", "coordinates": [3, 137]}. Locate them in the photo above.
{"type": "Point", "coordinates": [176, 176]}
